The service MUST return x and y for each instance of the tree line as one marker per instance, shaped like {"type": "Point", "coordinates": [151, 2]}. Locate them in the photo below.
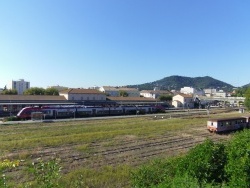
{"type": "Point", "coordinates": [32, 91]}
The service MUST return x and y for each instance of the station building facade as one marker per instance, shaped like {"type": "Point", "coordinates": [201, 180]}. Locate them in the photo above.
{"type": "Point", "coordinates": [14, 103]}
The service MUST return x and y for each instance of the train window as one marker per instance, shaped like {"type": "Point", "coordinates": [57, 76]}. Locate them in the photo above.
{"type": "Point", "coordinates": [46, 112]}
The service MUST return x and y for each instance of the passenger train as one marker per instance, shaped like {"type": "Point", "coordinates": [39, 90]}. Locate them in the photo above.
{"type": "Point", "coordinates": [228, 124]}
{"type": "Point", "coordinates": [83, 111]}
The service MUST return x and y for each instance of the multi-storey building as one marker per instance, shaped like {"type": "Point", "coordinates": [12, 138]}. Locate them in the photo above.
{"type": "Point", "coordinates": [192, 91]}
{"type": "Point", "coordinates": [19, 85]}
{"type": "Point", "coordinates": [188, 90]}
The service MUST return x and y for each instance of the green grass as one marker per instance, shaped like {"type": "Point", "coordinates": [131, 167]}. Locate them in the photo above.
{"type": "Point", "coordinates": [26, 138]}
{"type": "Point", "coordinates": [107, 176]}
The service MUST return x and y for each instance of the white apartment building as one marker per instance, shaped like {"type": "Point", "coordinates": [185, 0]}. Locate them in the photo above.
{"type": "Point", "coordinates": [192, 91]}
{"type": "Point", "coordinates": [19, 85]}
{"type": "Point", "coordinates": [187, 90]}
{"type": "Point", "coordinates": [215, 93]}
{"type": "Point", "coordinates": [210, 92]}
{"type": "Point", "coordinates": [220, 93]}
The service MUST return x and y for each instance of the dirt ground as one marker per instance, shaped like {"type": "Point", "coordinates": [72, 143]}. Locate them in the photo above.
{"type": "Point", "coordinates": [126, 149]}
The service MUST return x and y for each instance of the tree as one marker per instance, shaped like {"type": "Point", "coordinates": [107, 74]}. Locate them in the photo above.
{"type": "Point", "coordinates": [165, 98]}
{"type": "Point", "coordinates": [51, 91]}
{"type": "Point", "coordinates": [238, 156]}
{"type": "Point", "coordinates": [247, 99]}
{"type": "Point", "coordinates": [34, 91]}
{"type": "Point", "coordinates": [9, 92]}
{"type": "Point", "coordinates": [240, 92]}
{"type": "Point", "coordinates": [123, 93]}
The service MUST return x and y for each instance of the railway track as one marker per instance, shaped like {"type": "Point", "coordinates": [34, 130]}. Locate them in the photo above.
{"type": "Point", "coordinates": [124, 151]}
{"type": "Point", "coordinates": [133, 152]}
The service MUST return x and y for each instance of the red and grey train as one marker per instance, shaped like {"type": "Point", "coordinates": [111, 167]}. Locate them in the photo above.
{"type": "Point", "coordinates": [83, 111]}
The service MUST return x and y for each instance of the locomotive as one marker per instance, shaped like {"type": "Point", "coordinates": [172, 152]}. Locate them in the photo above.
{"type": "Point", "coordinates": [83, 111]}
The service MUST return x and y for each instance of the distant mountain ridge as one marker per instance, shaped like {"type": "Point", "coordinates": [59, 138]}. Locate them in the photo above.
{"type": "Point", "coordinates": [247, 85]}
{"type": "Point", "coordinates": [178, 82]}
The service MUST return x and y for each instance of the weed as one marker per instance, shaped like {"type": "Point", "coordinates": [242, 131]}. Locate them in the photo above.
{"type": "Point", "coordinates": [46, 174]}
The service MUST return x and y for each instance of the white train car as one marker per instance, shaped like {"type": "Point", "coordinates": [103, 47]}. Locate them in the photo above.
{"type": "Point", "coordinates": [227, 124]}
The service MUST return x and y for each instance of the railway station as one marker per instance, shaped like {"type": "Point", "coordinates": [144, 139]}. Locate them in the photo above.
{"type": "Point", "coordinates": [12, 104]}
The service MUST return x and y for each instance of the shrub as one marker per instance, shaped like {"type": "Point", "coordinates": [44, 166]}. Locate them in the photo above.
{"type": "Point", "coordinates": [155, 173]}
{"type": "Point", "coordinates": [202, 166]}
{"type": "Point", "coordinates": [238, 166]}
{"type": "Point", "coordinates": [205, 162]}
{"type": "Point", "coordinates": [182, 181]}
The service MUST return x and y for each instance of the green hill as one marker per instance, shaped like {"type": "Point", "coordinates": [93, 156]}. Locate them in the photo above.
{"type": "Point", "coordinates": [177, 82]}
{"type": "Point", "coordinates": [246, 86]}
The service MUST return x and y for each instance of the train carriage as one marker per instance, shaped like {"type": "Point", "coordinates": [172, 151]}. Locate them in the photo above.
{"type": "Point", "coordinates": [116, 111]}
{"type": "Point", "coordinates": [83, 111]}
{"type": "Point", "coordinates": [227, 124]}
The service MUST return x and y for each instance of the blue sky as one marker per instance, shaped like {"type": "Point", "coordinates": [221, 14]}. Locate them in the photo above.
{"type": "Point", "coordinates": [85, 43]}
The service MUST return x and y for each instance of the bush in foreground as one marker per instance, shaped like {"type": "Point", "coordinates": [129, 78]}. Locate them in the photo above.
{"type": "Point", "coordinates": [207, 165]}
